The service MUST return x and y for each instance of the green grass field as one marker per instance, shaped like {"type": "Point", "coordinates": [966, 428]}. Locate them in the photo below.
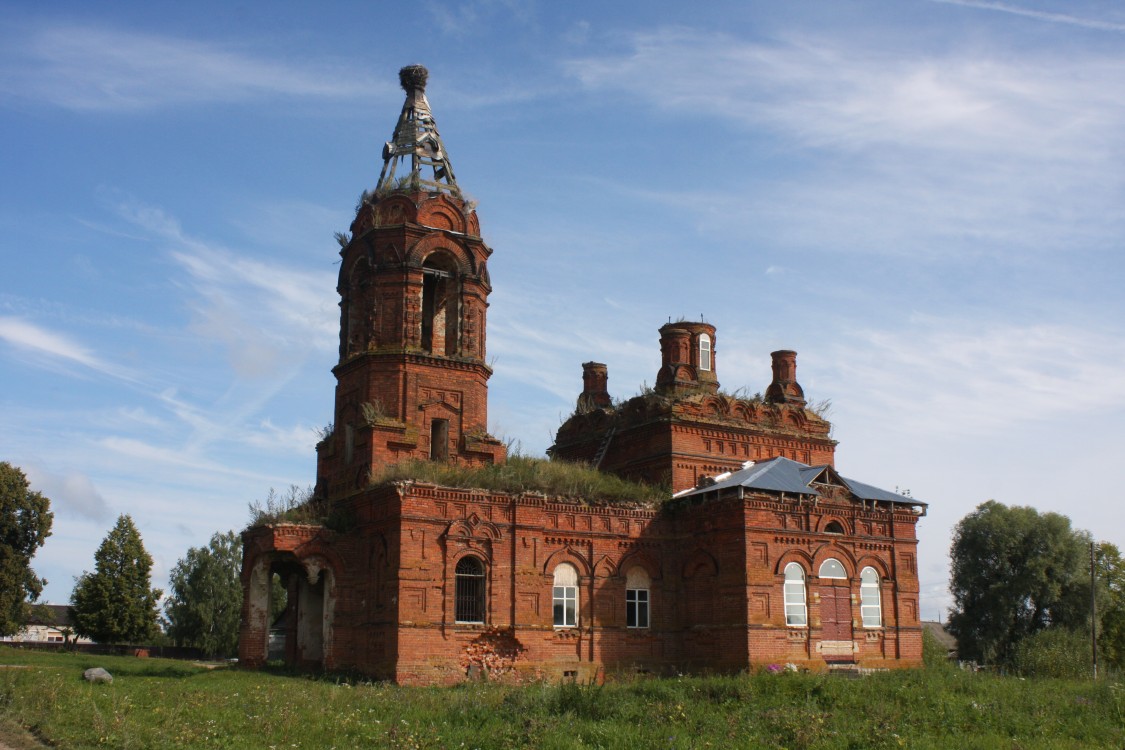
{"type": "Point", "coordinates": [157, 703]}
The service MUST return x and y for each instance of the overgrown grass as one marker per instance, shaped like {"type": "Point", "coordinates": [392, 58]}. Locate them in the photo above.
{"type": "Point", "coordinates": [155, 703]}
{"type": "Point", "coordinates": [562, 479]}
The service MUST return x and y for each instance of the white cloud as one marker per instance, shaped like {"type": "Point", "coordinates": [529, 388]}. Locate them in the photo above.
{"type": "Point", "coordinates": [95, 68]}
{"type": "Point", "coordinates": [827, 92]}
{"type": "Point", "coordinates": [943, 376]}
{"type": "Point", "coordinates": [925, 153]}
{"type": "Point", "coordinates": [49, 346]}
{"type": "Point", "coordinates": [69, 492]}
{"type": "Point", "coordinates": [1039, 15]}
{"type": "Point", "coordinates": [269, 316]}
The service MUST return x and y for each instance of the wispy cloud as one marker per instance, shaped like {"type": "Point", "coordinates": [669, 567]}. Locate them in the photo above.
{"type": "Point", "coordinates": [50, 347]}
{"type": "Point", "coordinates": [265, 313]}
{"type": "Point", "coordinates": [963, 377]}
{"type": "Point", "coordinates": [1039, 15]}
{"type": "Point", "coordinates": [97, 68]}
{"type": "Point", "coordinates": [904, 153]}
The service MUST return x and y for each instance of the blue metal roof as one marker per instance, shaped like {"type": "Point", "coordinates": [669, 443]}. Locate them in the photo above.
{"type": "Point", "coordinates": [782, 474]}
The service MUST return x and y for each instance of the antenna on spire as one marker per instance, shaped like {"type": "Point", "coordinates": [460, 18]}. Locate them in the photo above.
{"type": "Point", "coordinates": [416, 143]}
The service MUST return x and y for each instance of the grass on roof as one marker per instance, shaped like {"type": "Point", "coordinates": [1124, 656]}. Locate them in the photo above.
{"type": "Point", "coordinates": [526, 474]}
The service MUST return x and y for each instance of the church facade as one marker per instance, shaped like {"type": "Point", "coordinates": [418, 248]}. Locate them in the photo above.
{"type": "Point", "coordinates": [763, 554]}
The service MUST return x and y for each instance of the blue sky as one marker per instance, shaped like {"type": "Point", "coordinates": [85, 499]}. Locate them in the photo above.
{"type": "Point", "coordinates": [925, 199]}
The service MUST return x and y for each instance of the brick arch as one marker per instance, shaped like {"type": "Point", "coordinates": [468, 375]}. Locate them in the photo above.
{"type": "Point", "coordinates": [396, 209]}
{"type": "Point", "coordinates": [871, 561]}
{"type": "Point", "coordinates": [741, 410]}
{"type": "Point", "coordinates": [477, 552]}
{"type": "Point", "coordinates": [430, 244]}
{"type": "Point", "coordinates": [700, 563]}
{"type": "Point", "coordinates": [846, 558]}
{"type": "Point", "coordinates": [316, 549]}
{"type": "Point", "coordinates": [640, 559]}
{"type": "Point", "coordinates": [442, 213]}
{"type": "Point", "coordinates": [360, 264]}
{"type": "Point", "coordinates": [797, 556]}
{"type": "Point", "coordinates": [570, 555]}
{"type": "Point", "coordinates": [822, 524]}
{"type": "Point", "coordinates": [605, 568]}
{"type": "Point", "coordinates": [472, 528]}
{"type": "Point", "coordinates": [715, 405]}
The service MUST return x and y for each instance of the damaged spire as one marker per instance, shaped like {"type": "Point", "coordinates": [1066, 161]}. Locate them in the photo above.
{"type": "Point", "coordinates": [415, 157]}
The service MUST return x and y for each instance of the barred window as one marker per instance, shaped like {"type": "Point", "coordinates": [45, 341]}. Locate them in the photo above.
{"type": "Point", "coordinates": [795, 612]}
{"type": "Point", "coordinates": [636, 598]}
{"type": "Point", "coordinates": [870, 599]}
{"type": "Point", "coordinates": [469, 590]}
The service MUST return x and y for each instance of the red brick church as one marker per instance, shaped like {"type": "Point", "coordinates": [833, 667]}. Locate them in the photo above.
{"type": "Point", "coordinates": [764, 555]}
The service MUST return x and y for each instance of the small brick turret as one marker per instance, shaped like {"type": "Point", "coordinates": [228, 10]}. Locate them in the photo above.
{"type": "Point", "coordinates": [595, 393]}
{"type": "Point", "coordinates": [687, 354]}
{"type": "Point", "coordinates": [785, 389]}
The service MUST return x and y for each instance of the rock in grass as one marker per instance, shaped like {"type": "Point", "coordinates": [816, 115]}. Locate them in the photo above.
{"type": "Point", "coordinates": [97, 674]}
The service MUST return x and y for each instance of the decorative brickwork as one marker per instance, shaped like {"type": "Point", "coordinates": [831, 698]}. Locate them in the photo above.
{"type": "Point", "coordinates": [426, 584]}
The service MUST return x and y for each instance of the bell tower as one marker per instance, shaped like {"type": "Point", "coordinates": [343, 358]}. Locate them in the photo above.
{"type": "Point", "coordinates": [412, 382]}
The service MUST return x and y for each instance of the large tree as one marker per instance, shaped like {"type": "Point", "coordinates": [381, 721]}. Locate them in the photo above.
{"type": "Point", "coordinates": [205, 605]}
{"type": "Point", "coordinates": [25, 523]}
{"type": "Point", "coordinates": [116, 603]}
{"type": "Point", "coordinates": [1111, 606]}
{"type": "Point", "coordinates": [1015, 572]}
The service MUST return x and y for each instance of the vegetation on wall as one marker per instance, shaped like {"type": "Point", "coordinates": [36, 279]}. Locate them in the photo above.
{"type": "Point", "coordinates": [562, 479]}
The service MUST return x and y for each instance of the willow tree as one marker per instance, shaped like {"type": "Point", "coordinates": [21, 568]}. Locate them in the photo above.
{"type": "Point", "coordinates": [1015, 572]}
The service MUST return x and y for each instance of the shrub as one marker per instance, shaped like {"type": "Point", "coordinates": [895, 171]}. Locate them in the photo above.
{"type": "Point", "coordinates": [1054, 652]}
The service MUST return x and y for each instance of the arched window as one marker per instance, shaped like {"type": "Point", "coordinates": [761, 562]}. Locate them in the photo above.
{"type": "Point", "coordinates": [831, 568]}
{"type": "Point", "coordinates": [636, 598]}
{"type": "Point", "coordinates": [834, 527]}
{"type": "Point", "coordinates": [870, 599]}
{"type": "Point", "coordinates": [440, 300]}
{"type": "Point", "coordinates": [469, 590]}
{"type": "Point", "coordinates": [795, 613]}
{"type": "Point", "coordinates": [704, 352]}
{"type": "Point", "coordinates": [565, 596]}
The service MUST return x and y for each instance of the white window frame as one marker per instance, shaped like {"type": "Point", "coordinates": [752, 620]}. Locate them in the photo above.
{"type": "Point", "coordinates": [870, 598]}
{"type": "Point", "coordinates": [637, 599]}
{"type": "Point", "coordinates": [564, 596]}
{"type": "Point", "coordinates": [826, 569]}
{"type": "Point", "coordinates": [706, 362]}
{"type": "Point", "coordinates": [796, 609]}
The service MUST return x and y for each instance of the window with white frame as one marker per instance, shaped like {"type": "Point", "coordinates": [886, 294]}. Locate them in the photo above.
{"type": "Point", "coordinates": [565, 596]}
{"type": "Point", "coordinates": [831, 568]}
{"type": "Point", "coordinates": [636, 598]}
{"type": "Point", "coordinates": [469, 590]}
{"type": "Point", "coordinates": [796, 615]}
{"type": "Point", "coordinates": [870, 599]}
{"type": "Point", "coordinates": [704, 352]}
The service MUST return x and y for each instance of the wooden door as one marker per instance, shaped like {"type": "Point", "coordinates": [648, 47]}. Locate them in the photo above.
{"type": "Point", "coordinates": [836, 613]}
